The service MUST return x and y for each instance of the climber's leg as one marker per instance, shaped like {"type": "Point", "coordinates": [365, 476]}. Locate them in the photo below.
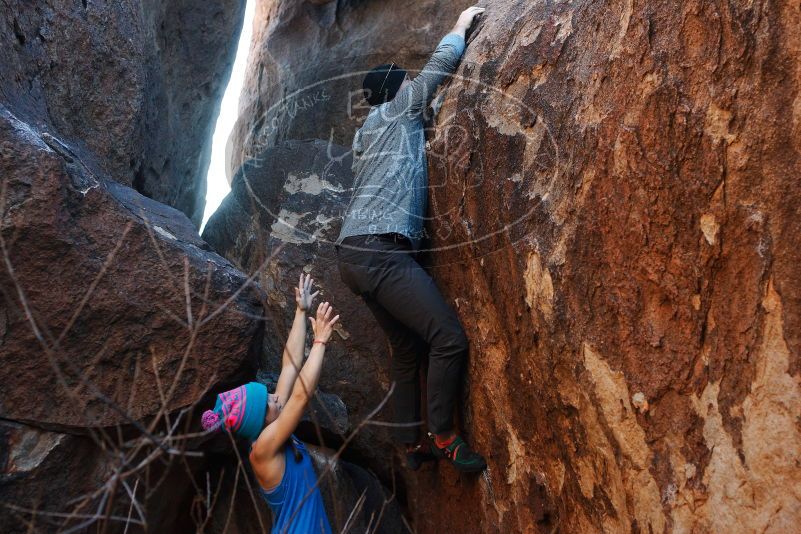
{"type": "Point", "coordinates": [385, 270]}
{"type": "Point", "coordinates": [405, 290]}
{"type": "Point", "coordinates": [407, 350]}
{"type": "Point", "coordinates": [357, 261]}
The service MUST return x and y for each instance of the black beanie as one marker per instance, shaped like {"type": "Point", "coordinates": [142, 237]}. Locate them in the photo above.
{"type": "Point", "coordinates": [382, 83]}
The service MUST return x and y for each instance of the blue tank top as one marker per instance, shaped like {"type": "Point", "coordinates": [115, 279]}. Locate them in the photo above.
{"type": "Point", "coordinates": [284, 499]}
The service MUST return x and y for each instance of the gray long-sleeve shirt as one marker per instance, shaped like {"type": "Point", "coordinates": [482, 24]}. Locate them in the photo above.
{"type": "Point", "coordinates": [389, 159]}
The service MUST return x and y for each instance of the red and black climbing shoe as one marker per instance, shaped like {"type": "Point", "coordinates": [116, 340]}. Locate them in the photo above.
{"type": "Point", "coordinates": [416, 456]}
{"type": "Point", "coordinates": [459, 453]}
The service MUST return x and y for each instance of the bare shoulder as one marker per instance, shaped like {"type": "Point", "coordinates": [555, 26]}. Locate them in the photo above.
{"type": "Point", "coordinates": [269, 471]}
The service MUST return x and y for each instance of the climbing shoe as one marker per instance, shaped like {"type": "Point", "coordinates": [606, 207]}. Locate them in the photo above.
{"type": "Point", "coordinates": [459, 453]}
{"type": "Point", "coordinates": [416, 456]}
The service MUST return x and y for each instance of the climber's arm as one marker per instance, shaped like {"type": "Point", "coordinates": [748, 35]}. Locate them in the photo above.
{"type": "Point", "coordinates": [415, 97]}
{"type": "Point", "coordinates": [273, 437]}
{"type": "Point", "coordinates": [292, 359]}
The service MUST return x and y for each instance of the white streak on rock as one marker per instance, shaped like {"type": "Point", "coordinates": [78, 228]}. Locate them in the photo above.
{"type": "Point", "coordinates": [311, 185]}
{"type": "Point", "coordinates": [161, 231]}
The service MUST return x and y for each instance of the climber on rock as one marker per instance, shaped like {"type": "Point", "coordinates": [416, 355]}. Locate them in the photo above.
{"type": "Point", "coordinates": [377, 249]}
{"type": "Point", "coordinates": [282, 465]}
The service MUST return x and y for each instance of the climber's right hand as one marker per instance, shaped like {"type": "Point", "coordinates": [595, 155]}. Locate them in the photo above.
{"type": "Point", "coordinates": [323, 325]}
{"type": "Point", "coordinates": [466, 19]}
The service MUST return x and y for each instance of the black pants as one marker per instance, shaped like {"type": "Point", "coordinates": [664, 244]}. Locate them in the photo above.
{"type": "Point", "coordinates": [415, 317]}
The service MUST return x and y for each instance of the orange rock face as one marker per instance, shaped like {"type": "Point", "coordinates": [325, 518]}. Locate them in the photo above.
{"type": "Point", "coordinates": [615, 201]}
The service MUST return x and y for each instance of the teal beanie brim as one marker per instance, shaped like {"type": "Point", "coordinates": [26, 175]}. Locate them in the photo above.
{"type": "Point", "coordinates": [255, 411]}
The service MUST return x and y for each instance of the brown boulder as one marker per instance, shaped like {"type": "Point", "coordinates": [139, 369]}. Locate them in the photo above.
{"type": "Point", "coordinates": [354, 498]}
{"type": "Point", "coordinates": [100, 286]}
{"type": "Point", "coordinates": [40, 473]}
{"type": "Point", "coordinates": [52, 481]}
{"type": "Point", "coordinates": [132, 86]}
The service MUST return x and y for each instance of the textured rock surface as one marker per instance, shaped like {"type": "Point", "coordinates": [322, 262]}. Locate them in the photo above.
{"type": "Point", "coordinates": [621, 217]}
{"type": "Point", "coordinates": [42, 471]}
{"type": "Point", "coordinates": [307, 61]}
{"type": "Point", "coordinates": [355, 498]}
{"type": "Point", "coordinates": [281, 218]}
{"type": "Point", "coordinates": [51, 482]}
{"type": "Point", "coordinates": [132, 86]}
{"type": "Point", "coordinates": [107, 280]}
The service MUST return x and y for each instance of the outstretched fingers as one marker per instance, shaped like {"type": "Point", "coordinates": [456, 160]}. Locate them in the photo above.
{"type": "Point", "coordinates": [303, 292]}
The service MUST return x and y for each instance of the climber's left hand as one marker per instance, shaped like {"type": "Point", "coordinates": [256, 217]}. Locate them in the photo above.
{"type": "Point", "coordinates": [303, 293]}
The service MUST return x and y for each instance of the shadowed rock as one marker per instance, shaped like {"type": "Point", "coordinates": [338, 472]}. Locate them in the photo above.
{"type": "Point", "coordinates": [40, 472]}
{"type": "Point", "coordinates": [100, 286]}
{"type": "Point", "coordinates": [133, 87]}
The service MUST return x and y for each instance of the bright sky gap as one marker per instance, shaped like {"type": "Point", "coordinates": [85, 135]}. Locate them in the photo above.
{"type": "Point", "coordinates": [218, 186]}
